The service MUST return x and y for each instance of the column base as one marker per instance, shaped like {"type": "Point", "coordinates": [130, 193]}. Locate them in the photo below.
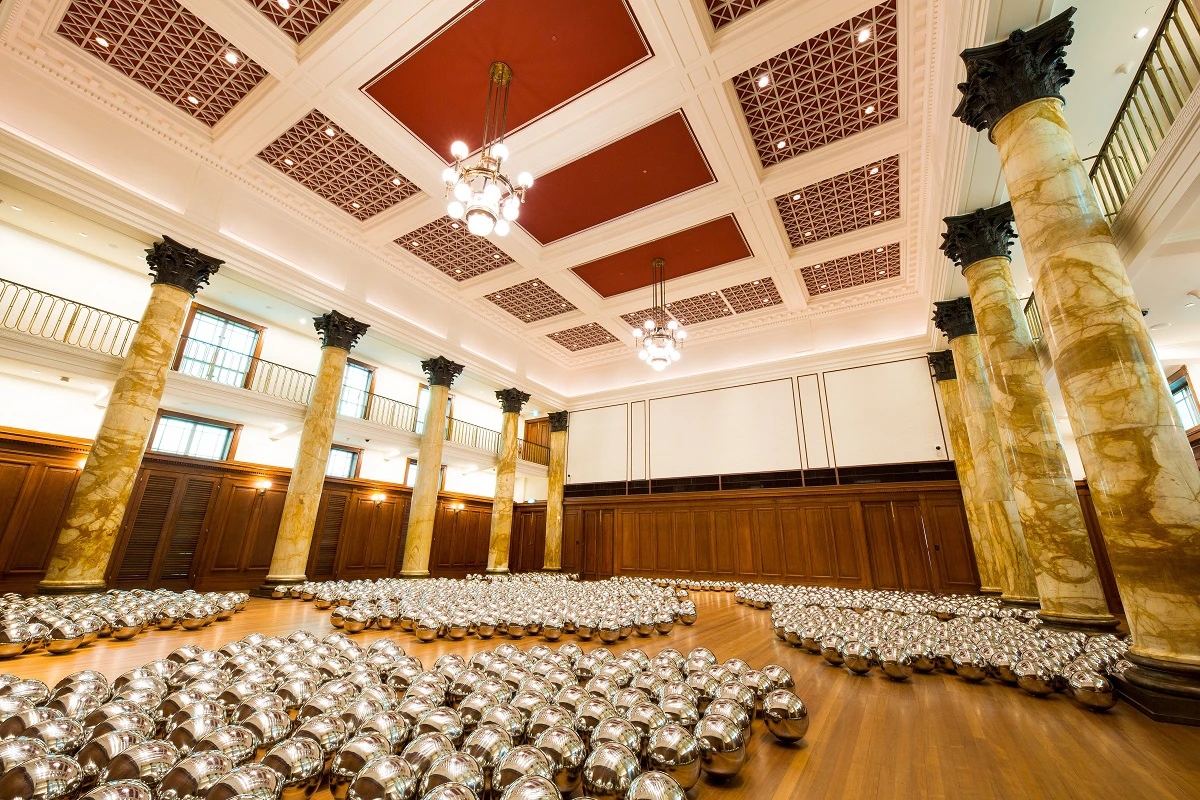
{"type": "Point", "coordinates": [268, 586]}
{"type": "Point", "coordinates": [1170, 677]}
{"type": "Point", "coordinates": [1158, 705]}
{"type": "Point", "coordinates": [551, 569]}
{"type": "Point", "coordinates": [1023, 602]}
{"type": "Point", "coordinates": [416, 573]}
{"type": "Point", "coordinates": [500, 571]}
{"type": "Point", "coordinates": [991, 591]}
{"type": "Point", "coordinates": [1074, 622]}
{"type": "Point", "coordinates": [67, 587]}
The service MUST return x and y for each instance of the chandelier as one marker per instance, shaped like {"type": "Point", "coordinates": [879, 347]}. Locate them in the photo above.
{"type": "Point", "coordinates": [481, 194]}
{"type": "Point", "coordinates": [657, 344]}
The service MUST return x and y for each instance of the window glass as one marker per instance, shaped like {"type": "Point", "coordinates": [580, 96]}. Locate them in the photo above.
{"type": "Point", "coordinates": [423, 404]}
{"type": "Point", "coordinates": [1185, 403]}
{"type": "Point", "coordinates": [185, 437]}
{"type": "Point", "coordinates": [341, 463]}
{"type": "Point", "coordinates": [356, 387]}
{"type": "Point", "coordinates": [218, 349]}
{"type": "Point", "coordinates": [410, 474]}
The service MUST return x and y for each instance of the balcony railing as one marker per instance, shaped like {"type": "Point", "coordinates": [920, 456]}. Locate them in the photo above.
{"type": "Point", "coordinates": [222, 365]}
{"type": "Point", "coordinates": [1161, 86]}
{"type": "Point", "coordinates": [533, 452]}
{"type": "Point", "coordinates": [49, 316]}
{"type": "Point", "coordinates": [1033, 318]}
{"type": "Point", "coordinates": [387, 411]}
{"type": "Point", "coordinates": [469, 435]}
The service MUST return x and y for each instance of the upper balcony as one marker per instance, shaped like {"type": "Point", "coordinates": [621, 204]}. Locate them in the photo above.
{"type": "Point", "coordinates": [30, 311]}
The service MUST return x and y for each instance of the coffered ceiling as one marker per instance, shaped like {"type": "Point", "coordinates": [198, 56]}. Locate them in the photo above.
{"type": "Point", "coordinates": [791, 160]}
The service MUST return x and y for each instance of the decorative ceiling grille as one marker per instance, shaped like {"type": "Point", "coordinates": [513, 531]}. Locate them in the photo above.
{"type": "Point", "coordinates": [531, 301]}
{"type": "Point", "coordinates": [296, 18]}
{"type": "Point", "coordinates": [836, 84]}
{"type": "Point", "coordinates": [582, 337]}
{"type": "Point", "coordinates": [167, 49]}
{"type": "Point", "coordinates": [701, 308]}
{"type": "Point", "coordinates": [335, 165]}
{"type": "Point", "coordinates": [447, 246]}
{"type": "Point", "coordinates": [635, 318]}
{"type": "Point", "coordinates": [857, 199]}
{"type": "Point", "coordinates": [869, 266]}
{"type": "Point", "coordinates": [723, 12]}
{"type": "Point", "coordinates": [752, 296]}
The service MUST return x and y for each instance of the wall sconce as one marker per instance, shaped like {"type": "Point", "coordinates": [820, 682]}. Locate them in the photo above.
{"type": "Point", "coordinates": [457, 507]}
{"type": "Point", "coordinates": [378, 497]}
{"type": "Point", "coordinates": [262, 485]}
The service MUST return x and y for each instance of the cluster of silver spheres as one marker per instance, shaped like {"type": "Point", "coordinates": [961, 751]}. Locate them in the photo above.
{"type": "Point", "coordinates": [60, 624]}
{"type": "Point", "coordinates": [501, 605]}
{"type": "Point", "coordinates": [973, 637]}
{"type": "Point", "coordinates": [697, 585]}
{"type": "Point", "coordinates": [273, 718]}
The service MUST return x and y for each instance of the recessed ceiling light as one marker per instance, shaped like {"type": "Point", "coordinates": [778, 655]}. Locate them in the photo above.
{"type": "Point", "coordinates": [535, 284]}
{"type": "Point", "coordinates": [713, 294]}
{"type": "Point", "coordinates": [808, 233]}
{"type": "Point", "coordinates": [883, 272]}
{"type": "Point", "coordinates": [192, 99]}
{"type": "Point", "coordinates": [668, 305]}
{"type": "Point", "coordinates": [874, 170]}
{"type": "Point", "coordinates": [782, 143]}
{"type": "Point", "coordinates": [84, 235]}
{"type": "Point", "coordinates": [100, 40]}
{"type": "Point", "coordinates": [876, 213]}
{"type": "Point", "coordinates": [356, 205]}
{"type": "Point", "coordinates": [285, 4]}
{"type": "Point", "coordinates": [869, 110]}
{"type": "Point", "coordinates": [1141, 33]}
{"type": "Point", "coordinates": [823, 285]}
{"type": "Point", "coordinates": [415, 243]}
{"type": "Point", "coordinates": [764, 300]}
{"type": "Point", "coordinates": [454, 225]}
{"type": "Point", "coordinates": [289, 162]}
{"type": "Point", "coordinates": [396, 181]}
{"type": "Point", "coordinates": [1159, 326]}
{"type": "Point", "coordinates": [494, 255]}
{"type": "Point", "coordinates": [864, 35]}
{"type": "Point", "coordinates": [878, 249]}
{"type": "Point", "coordinates": [458, 272]}
{"type": "Point", "coordinates": [755, 283]}
{"type": "Point", "coordinates": [796, 196]}
{"type": "Point", "coordinates": [330, 132]}
{"type": "Point", "coordinates": [816, 266]}
{"type": "Point", "coordinates": [497, 297]}
{"type": "Point", "coordinates": [231, 57]}
{"type": "Point", "coordinates": [764, 80]}
{"type": "Point", "coordinates": [562, 305]}
{"type": "Point", "coordinates": [527, 316]}
{"type": "Point", "coordinates": [1185, 305]}
{"type": "Point", "coordinates": [16, 208]}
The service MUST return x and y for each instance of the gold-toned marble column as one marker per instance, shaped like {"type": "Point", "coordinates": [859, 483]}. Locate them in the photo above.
{"type": "Point", "coordinates": [993, 486]}
{"type": "Point", "coordinates": [946, 378]}
{"type": "Point", "coordinates": [557, 476]}
{"type": "Point", "coordinates": [1140, 469]}
{"type": "Point", "coordinates": [339, 333]}
{"type": "Point", "coordinates": [511, 401]}
{"type": "Point", "coordinates": [423, 508]}
{"type": "Point", "coordinates": [1056, 535]}
{"type": "Point", "coordinates": [79, 561]}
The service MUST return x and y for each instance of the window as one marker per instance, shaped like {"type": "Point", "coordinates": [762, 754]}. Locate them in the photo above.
{"type": "Point", "coordinates": [357, 382]}
{"type": "Point", "coordinates": [343, 462]}
{"type": "Point", "coordinates": [423, 404]}
{"type": "Point", "coordinates": [218, 347]}
{"type": "Point", "coordinates": [1185, 399]}
{"type": "Point", "coordinates": [185, 435]}
{"type": "Point", "coordinates": [410, 474]}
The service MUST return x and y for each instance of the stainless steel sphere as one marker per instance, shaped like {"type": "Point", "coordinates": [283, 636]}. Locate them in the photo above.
{"type": "Point", "coordinates": [733, 710]}
{"type": "Point", "coordinates": [519, 763]}
{"type": "Point", "coordinates": [352, 758]}
{"type": "Point", "coordinates": [94, 757]}
{"type": "Point", "coordinates": [120, 790]}
{"type": "Point", "coordinates": [47, 778]}
{"type": "Point", "coordinates": [1034, 678]}
{"type": "Point", "coordinates": [609, 772]}
{"type": "Point", "coordinates": [532, 787]}
{"type": "Point", "coordinates": [455, 768]}
{"type": "Point", "coordinates": [1092, 691]}
{"type": "Point", "coordinates": [488, 746]}
{"type": "Point", "coordinates": [722, 746]}
{"type": "Point", "coordinates": [896, 662]}
{"type": "Point", "coordinates": [424, 750]}
{"type": "Point", "coordinates": [385, 778]}
{"type": "Point", "coordinates": [857, 657]}
{"type": "Point", "coordinates": [192, 777]}
{"type": "Point", "coordinates": [252, 780]}
{"type": "Point", "coordinates": [785, 715]}
{"type": "Point", "coordinates": [22, 749]}
{"type": "Point", "coordinates": [655, 786]}
{"type": "Point", "coordinates": [299, 762]}
{"type": "Point", "coordinates": [146, 762]}
{"type": "Point", "coordinates": [567, 753]}
{"type": "Point", "coordinates": [674, 750]}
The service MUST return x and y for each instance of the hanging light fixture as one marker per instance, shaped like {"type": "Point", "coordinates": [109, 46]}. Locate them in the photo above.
{"type": "Point", "coordinates": [481, 194]}
{"type": "Point", "coordinates": [657, 344]}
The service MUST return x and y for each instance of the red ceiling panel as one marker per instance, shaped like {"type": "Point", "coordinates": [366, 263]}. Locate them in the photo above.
{"type": "Point", "coordinates": [648, 166]}
{"type": "Point", "coordinates": [557, 50]}
{"type": "Point", "coordinates": [708, 245]}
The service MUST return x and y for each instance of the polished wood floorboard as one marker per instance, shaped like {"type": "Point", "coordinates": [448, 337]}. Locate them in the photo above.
{"type": "Point", "coordinates": [933, 737]}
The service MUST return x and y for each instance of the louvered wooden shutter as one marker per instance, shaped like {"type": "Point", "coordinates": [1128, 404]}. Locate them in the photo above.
{"type": "Point", "coordinates": [177, 563]}
{"type": "Point", "coordinates": [147, 529]}
{"type": "Point", "coordinates": [331, 531]}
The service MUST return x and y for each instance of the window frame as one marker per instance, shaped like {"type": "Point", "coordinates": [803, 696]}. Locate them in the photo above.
{"type": "Point", "coordinates": [357, 452]}
{"type": "Point", "coordinates": [412, 462]}
{"type": "Point", "coordinates": [196, 308]}
{"type": "Point", "coordinates": [366, 410]}
{"type": "Point", "coordinates": [1179, 376]}
{"type": "Point", "coordinates": [235, 432]}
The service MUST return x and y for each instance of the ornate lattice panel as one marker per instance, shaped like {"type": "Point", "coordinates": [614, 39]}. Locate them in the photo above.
{"type": "Point", "coordinates": [836, 84]}
{"type": "Point", "coordinates": [582, 337]}
{"type": "Point", "coordinates": [447, 246]}
{"type": "Point", "coordinates": [723, 12]}
{"type": "Point", "coordinates": [752, 296]}
{"type": "Point", "coordinates": [335, 165]}
{"type": "Point", "coordinates": [167, 49]}
{"type": "Point", "coordinates": [701, 308]}
{"type": "Point", "coordinates": [635, 318]}
{"type": "Point", "coordinates": [856, 199]}
{"type": "Point", "coordinates": [876, 264]}
{"type": "Point", "coordinates": [531, 301]}
{"type": "Point", "coordinates": [296, 18]}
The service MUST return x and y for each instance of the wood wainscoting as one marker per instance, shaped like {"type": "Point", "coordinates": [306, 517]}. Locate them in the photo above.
{"type": "Point", "coordinates": [211, 525]}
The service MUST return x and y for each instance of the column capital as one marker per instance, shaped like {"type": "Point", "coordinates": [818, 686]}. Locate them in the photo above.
{"type": "Point", "coordinates": [1026, 66]}
{"type": "Point", "coordinates": [441, 370]}
{"type": "Point", "coordinates": [954, 317]}
{"type": "Point", "coordinates": [511, 400]}
{"type": "Point", "coordinates": [984, 233]}
{"type": "Point", "coordinates": [339, 330]}
{"type": "Point", "coordinates": [943, 365]}
{"type": "Point", "coordinates": [558, 420]}
{"type": "Point", "coordinates": [178, 265]}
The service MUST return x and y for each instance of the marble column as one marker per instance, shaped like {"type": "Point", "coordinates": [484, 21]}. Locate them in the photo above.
{"type": "Point", "coordinates": [79, 560]}
{"type": "Point", "coordinates": [1056, 535]}
{"type": "Point", "coordinates": [1001, 523]}
{"type": "Point", "coordinates": [339, 333]}
{"type": "Point", "coordinates": [557, 477]}
{"type": "Point", "coordinates": [1140, 469]}
{"type": "Point", "coordinates": [982, 542]}
{"type": "Point", "coordinates": [423, 508]}
{"type": "Point", "coordinates": [511, 401]}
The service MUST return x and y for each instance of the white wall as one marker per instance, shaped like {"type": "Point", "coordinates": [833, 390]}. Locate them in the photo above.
{"type": "Point", "coordinates": [598, 445]}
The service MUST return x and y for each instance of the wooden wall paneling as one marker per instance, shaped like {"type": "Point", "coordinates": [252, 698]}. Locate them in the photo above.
{"type": "Point", "coordinates": [744, 536]}
{"type": "Point", "coordinates": [913, 547]}
{"type": "Point", "coordinates": [702, 542]}
{"type": "Point", "coordinates": [820, 543]}
{"type": "Point", "coordinates": [881, 544]}
{"type": "Point", "coordinates": [683, 541]}
{"type": "Point", "coordinates": [724, 543]}
{"type": "Point", "coordinates": [770, 549]}
{"type": "Point", "coordinates": [950, 540]}
{"type": "Point", "coordinates": [527, 548]}
{"type": "Point", "coordinates": [850, 547]}
{"type": "Point", "coordinates": [177, 563]}
{"type": "Point", "coordinates": [151, 509]}
{"type": "Point", "coordinates": [795, 543]}
{"type": "Point", "coordinates": [33, 503]}
{"type": "Point", "coordinates": [332, 512]}
{"type": "Point", "coordinates": [572, 541]}
{"type": "Point", "coordinates": [664, 549]}
{"type": "Point", "coordinates": [1099, 549]}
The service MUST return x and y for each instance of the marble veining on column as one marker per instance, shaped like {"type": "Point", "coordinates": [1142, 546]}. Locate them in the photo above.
{"type": "Point", "coordinates": [556, 478]}
{"type": "Point", "coordinates": [502, 503]}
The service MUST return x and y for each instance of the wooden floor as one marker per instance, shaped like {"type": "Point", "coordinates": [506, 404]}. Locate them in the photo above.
{"type": "Point", "coordinates": [933, 737]}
